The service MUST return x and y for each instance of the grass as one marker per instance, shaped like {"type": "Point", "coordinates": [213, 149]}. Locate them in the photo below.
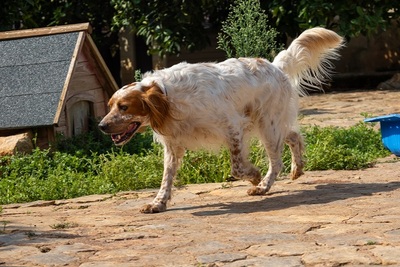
{"type": "Point", "coordinates": [90, 164]}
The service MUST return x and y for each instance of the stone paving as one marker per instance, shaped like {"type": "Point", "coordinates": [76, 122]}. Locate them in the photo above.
{"type": "Point", "coordinates": [326, 218]}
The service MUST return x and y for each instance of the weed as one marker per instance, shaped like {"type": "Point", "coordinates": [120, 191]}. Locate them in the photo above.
{"type": "Point", "coordinates": [30, 234]}
{"type": "Point", "coordinates": [4, 223]}
{"type": "Point", "coordinates": [63, 225]}
{"type": "Point", "coordinates": [338, 148]}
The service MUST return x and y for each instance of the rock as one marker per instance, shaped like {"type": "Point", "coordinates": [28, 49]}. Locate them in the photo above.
{"type": "Point", "coordinates": [50, 259]}
{"type": "Point", "coordinates": [221, 257]}
{"type": "Point", "coordinates": [39, 203]}
{"type": "Point", "coordinates": [392, 83]}
{"type": "Point", "coordinates": [388, 255]}
{"type": "Point", "coordinates": [338, 256]}
{"type": "Point", "coordinates": [21, 143]}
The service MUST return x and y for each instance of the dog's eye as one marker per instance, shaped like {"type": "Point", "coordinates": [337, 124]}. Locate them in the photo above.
{"type": "Point", "coordinates": [123, 107]}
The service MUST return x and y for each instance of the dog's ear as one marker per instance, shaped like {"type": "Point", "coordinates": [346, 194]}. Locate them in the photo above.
{"type": "Point", "coordinates": [160, 110]}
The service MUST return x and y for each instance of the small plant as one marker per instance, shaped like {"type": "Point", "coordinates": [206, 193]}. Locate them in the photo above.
{"type": "Point", "coordinates": [246, 33]}
{"type": "Point", "coordinates": [4, 223]}
{"type": "Point", "coordinates": [138, 75]}
{"type": "Point", "coordinates": [64, 225]}
{"type": "Point", "coordinates": [30, 234]}
{"type": "Point", "coordinates": [335, 148]}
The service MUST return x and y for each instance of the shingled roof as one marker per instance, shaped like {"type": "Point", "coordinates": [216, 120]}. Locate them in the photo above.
{"type": "Point", "coordinates": [35, 68]}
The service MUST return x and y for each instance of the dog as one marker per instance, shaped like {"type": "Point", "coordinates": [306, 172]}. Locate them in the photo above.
{"type": "Point", "coordinates": [209, 105]}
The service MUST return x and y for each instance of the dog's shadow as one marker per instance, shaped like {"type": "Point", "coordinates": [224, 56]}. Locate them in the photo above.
{"type": "Point", "coordinates": [321, 194]}
{"type": "Point", "coordinates": [315, 111]}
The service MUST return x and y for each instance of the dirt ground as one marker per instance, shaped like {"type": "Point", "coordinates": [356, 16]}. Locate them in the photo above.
{"type": "Point", "coordinates": [326, 218]}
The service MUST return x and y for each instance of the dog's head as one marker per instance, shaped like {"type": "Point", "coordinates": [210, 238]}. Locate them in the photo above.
{"type": "Point", "coordinates": [132, 107]}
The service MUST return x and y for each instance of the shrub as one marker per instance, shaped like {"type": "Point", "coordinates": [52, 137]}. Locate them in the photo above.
{"type": "Point", "coordinates": [246, 33]}
{"type": "Point", "coordinates": [343, 148]}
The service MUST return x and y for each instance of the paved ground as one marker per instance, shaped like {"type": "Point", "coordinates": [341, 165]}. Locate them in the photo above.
{"type": "Point", "coordinates": [326, 218]}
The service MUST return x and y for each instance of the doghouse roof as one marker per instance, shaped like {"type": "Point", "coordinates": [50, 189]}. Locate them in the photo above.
{"type": "Point", "coordinates": [35, 70]}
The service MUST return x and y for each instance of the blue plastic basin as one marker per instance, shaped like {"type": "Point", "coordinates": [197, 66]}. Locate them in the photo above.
{"type": "Point", "coordinates": [390, 130]}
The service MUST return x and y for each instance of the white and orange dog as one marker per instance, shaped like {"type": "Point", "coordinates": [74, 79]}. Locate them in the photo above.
{"type": "Point", "coordinates": [209, 105]}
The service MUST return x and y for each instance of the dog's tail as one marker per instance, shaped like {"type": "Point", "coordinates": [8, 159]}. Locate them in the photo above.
{"type": "Point", "coordinates": [307, 60]}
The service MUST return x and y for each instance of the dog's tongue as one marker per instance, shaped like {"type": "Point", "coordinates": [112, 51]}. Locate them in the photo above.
{"type": "Point", "coordinates": [118, 137]}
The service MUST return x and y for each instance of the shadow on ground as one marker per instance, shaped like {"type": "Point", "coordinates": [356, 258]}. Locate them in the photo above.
{"type": "Point", "coordinates": [322, 194]}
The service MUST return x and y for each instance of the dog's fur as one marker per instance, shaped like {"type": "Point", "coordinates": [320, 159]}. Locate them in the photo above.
{"type": "Point", "coordinates": [207, 105]}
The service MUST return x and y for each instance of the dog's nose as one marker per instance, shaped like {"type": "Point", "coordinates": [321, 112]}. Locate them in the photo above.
{"type": "Point", "coordinates": [103, 126]}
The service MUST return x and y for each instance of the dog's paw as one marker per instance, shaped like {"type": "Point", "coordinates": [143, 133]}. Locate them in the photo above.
{"type": "Point", "coordinates": [256, 191]}
{"type": "Point", "coordinates": [296, 174]}
{"type": "Point", "coordinates": [153, 208]}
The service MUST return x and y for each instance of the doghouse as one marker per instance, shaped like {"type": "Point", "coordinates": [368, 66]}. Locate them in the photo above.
{"type": "Point", "coordinates": [52, 81]}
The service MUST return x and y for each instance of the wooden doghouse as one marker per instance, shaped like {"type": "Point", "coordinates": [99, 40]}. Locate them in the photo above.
{"type": "Point", "coordinates": [52, 81]}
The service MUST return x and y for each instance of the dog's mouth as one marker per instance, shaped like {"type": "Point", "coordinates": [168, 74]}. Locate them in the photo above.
{"type": "Point", "coordinates": [123, 138]}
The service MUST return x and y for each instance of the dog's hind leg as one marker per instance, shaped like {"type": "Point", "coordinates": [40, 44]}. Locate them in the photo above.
{"type": "Point", "coordinates": [296, 145]}
{"type": "Point", "coordinates": [241, 167]}
{"type": "Point", "coordinates": [273, 141]}
{"type": "Point", "coordinates": [173, 156]}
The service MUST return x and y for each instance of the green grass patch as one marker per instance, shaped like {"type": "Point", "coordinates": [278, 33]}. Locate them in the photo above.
{"type": "Point", "coordinates": [96, 167]}
{"type": "Point", "coordinates": [336, 148]}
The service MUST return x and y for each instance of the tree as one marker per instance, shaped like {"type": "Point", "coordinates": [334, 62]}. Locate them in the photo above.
{"type": "Point", "coordinates": [350, 18]}
{"type": "Point", "coordinates": [169, 26]}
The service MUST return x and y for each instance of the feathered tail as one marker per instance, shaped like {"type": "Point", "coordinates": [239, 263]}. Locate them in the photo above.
{"type": "Point", "coordinates": [307, 59]}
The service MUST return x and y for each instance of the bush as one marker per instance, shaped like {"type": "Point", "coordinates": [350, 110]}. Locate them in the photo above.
{"type": "Point", "coordinates": [246, 33]}
{"type": "Point", "coordinates": [343, 149]}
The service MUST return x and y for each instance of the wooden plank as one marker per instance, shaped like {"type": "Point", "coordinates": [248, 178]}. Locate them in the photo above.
{"type": "Point", "coordinates": [99, 110]}
{"type": "Point", "coordinates": [99, 95]}
{"type": "Point", "coordinates": [78, 48]}
{"type": "Point", "coordinates": [46, 31]}
{"type": "Point", "coordinates": [111, 85]}
{"type": "Point", "coordinates": [86, 96]}
{"type": "Point", "coordinates": [63, 119]}
{"type": "Point", "coordinates": [94, 95]}
{"type": "Point", "coordinates": [84, 82]}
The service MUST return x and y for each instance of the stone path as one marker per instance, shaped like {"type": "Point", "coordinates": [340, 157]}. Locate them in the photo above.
{"type": "Point", "coordinates": [326, 218]}
{"type": "Point", "coordinates": [348, 108]}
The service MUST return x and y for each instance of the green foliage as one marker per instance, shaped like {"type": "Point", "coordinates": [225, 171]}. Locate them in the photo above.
{"type": "Point", "coordinates": [58, 175]}
{"type": "Point", "coordinates": [138, 75]}
{"type": "Point", "coordinates": [97, 142]}
{"type": "Point", "coordinates": [122, 171]}
{"type": "Point", "coordinates": [168, 26]}
{"type": "Point", "coordinates": [246, 33]}
{"type": "Point", "coordinates": [343, 149]}
{"type": "Point", "coordinates": [348, 18]}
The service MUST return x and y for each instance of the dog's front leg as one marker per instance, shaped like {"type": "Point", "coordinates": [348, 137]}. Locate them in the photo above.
{"type": "Point", "coordinates": [172, 161]}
